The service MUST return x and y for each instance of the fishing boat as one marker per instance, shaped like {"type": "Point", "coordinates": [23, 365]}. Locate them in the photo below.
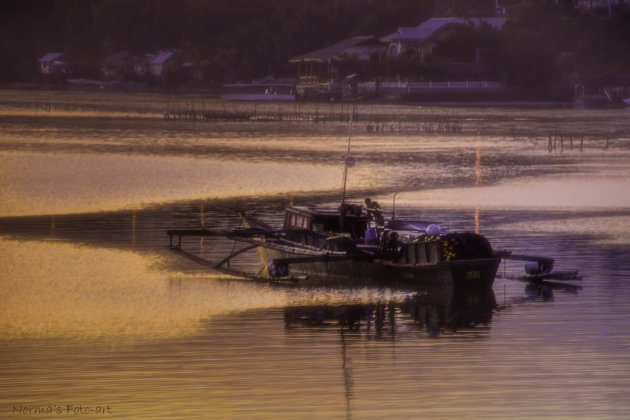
{"type": "Point", "coordinates": [354, 245]}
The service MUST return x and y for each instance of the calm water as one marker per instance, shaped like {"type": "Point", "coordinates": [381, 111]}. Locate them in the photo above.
{"type": "Point", "coordinates": [98, 315]}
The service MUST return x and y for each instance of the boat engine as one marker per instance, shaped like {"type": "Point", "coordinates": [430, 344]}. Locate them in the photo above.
{"type": "Point", "coordinates": [389, 242]}
{"type": "Point", "coordinates": [536, 268]}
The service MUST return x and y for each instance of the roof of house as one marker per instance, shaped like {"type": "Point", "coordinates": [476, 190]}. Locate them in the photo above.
{"type": "Point", "coordinates": [429, 28]}
{"type": "Point", "coordinates": [162, 57]}
{"type": "Point", "coordinates": [336, 50]}
{"type": "Point", "coordinates": [50, 57]}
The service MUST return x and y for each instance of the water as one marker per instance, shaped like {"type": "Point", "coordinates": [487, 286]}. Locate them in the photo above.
{"type": "Point", "coordinates": [98, 315]}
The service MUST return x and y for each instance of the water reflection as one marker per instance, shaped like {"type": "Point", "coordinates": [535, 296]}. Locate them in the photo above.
{"type": "Point", "coordinates": [75, 163]}
{"type": "Point", "coordinates": [435, 311]}
{"type": "Point", "coordinates": [169, 338]}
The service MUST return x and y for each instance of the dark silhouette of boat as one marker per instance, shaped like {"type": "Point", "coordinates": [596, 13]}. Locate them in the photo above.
{"type": "Point", "coordinates": [353, 246]}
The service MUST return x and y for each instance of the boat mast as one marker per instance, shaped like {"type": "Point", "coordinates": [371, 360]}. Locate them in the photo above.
{"type": "Point", "coordinates": [349, 161]}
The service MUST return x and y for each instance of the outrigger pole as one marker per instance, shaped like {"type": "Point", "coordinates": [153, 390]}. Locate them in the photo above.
{"type": "Point", "coordinates": [348, 158]}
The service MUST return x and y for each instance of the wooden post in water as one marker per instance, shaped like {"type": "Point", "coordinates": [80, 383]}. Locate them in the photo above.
{"type": "Point", "coordinates": [347, 161]}
{"type": "Point", "coordinates": [133, 227]}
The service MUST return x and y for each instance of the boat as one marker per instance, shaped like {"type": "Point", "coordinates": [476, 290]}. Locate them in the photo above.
{"type": "Point", "coordinates": [347, 244]}
{"type": "Point", "coordinates": [354, 245]}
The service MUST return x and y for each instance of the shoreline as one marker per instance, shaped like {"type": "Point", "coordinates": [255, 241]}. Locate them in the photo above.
{"type": "Point", "coordinates": [449, 99]}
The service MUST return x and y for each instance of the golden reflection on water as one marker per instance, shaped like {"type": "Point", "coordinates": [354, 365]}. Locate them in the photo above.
{"type": "Point", "coordinates": [249, 365]}
{"type": "Point", "coordinates": [34, 183]}
{"type": "Point", "coordinates": [56, 290]}
{"type": "Point", "coordinates": [53, 290]}
{"type": "Point", "coordinates": [557, 192]}
{"type": "Point", "coordinates": [87, 325]}
{"type": "Point", "coordinates": [604, 229]}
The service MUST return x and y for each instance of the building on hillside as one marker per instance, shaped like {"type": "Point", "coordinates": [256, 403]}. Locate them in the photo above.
{"type": "Point", "coordinates": [141, 65]}
{"type": "Point", "coordinates": [339, 71]}
{"type": "Point", "coordinates": [326, 63]}
{"type": "Point", "coordinates": [419, 41]}
{"type": "Point", "coordinates": [53, 64]}
{"type": "Point", "coordinates": [322, 72]}
{"type": "Point", "coordinates": [160, 63]}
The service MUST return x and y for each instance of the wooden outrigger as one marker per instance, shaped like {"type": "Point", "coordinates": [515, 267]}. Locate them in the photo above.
{"type": "Point", "coordinates": [222, 266]}
{"type": "Point", "coordinates": [539, 271]}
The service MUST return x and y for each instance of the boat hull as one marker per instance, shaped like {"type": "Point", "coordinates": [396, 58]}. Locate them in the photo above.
{"type": "Point", "coordinates": [471, 274]}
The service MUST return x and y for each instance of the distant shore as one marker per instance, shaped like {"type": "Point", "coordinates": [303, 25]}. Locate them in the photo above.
{"type": "Point", "coordinates": [510, 98]}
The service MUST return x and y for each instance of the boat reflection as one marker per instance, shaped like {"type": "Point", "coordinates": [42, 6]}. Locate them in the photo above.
{"type": "Point", "coordinates": [435, 311]}
{"type": "Point", "coordinates": [544, 291]}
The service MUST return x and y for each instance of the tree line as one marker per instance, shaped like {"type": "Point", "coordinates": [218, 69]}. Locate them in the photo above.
{"type": "Point", "coordinates": [543, 46]}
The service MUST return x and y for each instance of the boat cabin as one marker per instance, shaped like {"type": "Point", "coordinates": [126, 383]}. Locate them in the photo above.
{"type": "Point", "coordinates": [326, 220]}
{"type": "Point", "coordinates": [310, 226]}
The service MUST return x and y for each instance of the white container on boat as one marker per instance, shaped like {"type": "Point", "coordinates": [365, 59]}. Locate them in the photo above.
{"type": "Point", "coordinates": [433, 230]}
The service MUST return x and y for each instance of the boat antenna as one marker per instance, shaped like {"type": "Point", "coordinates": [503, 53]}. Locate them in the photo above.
{"type": "Point", "coordinates": [394, 206]}
{"type": "Point", "coordinates": [394, 201]}
{"type": "Point", "coordinates": [349, 160]}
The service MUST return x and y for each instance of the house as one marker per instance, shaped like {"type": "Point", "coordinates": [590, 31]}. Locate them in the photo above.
{"type": "Point", "coordinates": [419, 41]}
{"type": "Point", "coordinates": [141, 65]}
{"type": "Point", "coordinates": [160, 62]}
{"type": "Point", "coordinates": [333, 61]}
{"type": "Point", "coordinates": [53, 64]}
{"type": "Point", "coordinates": [117, 66]}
